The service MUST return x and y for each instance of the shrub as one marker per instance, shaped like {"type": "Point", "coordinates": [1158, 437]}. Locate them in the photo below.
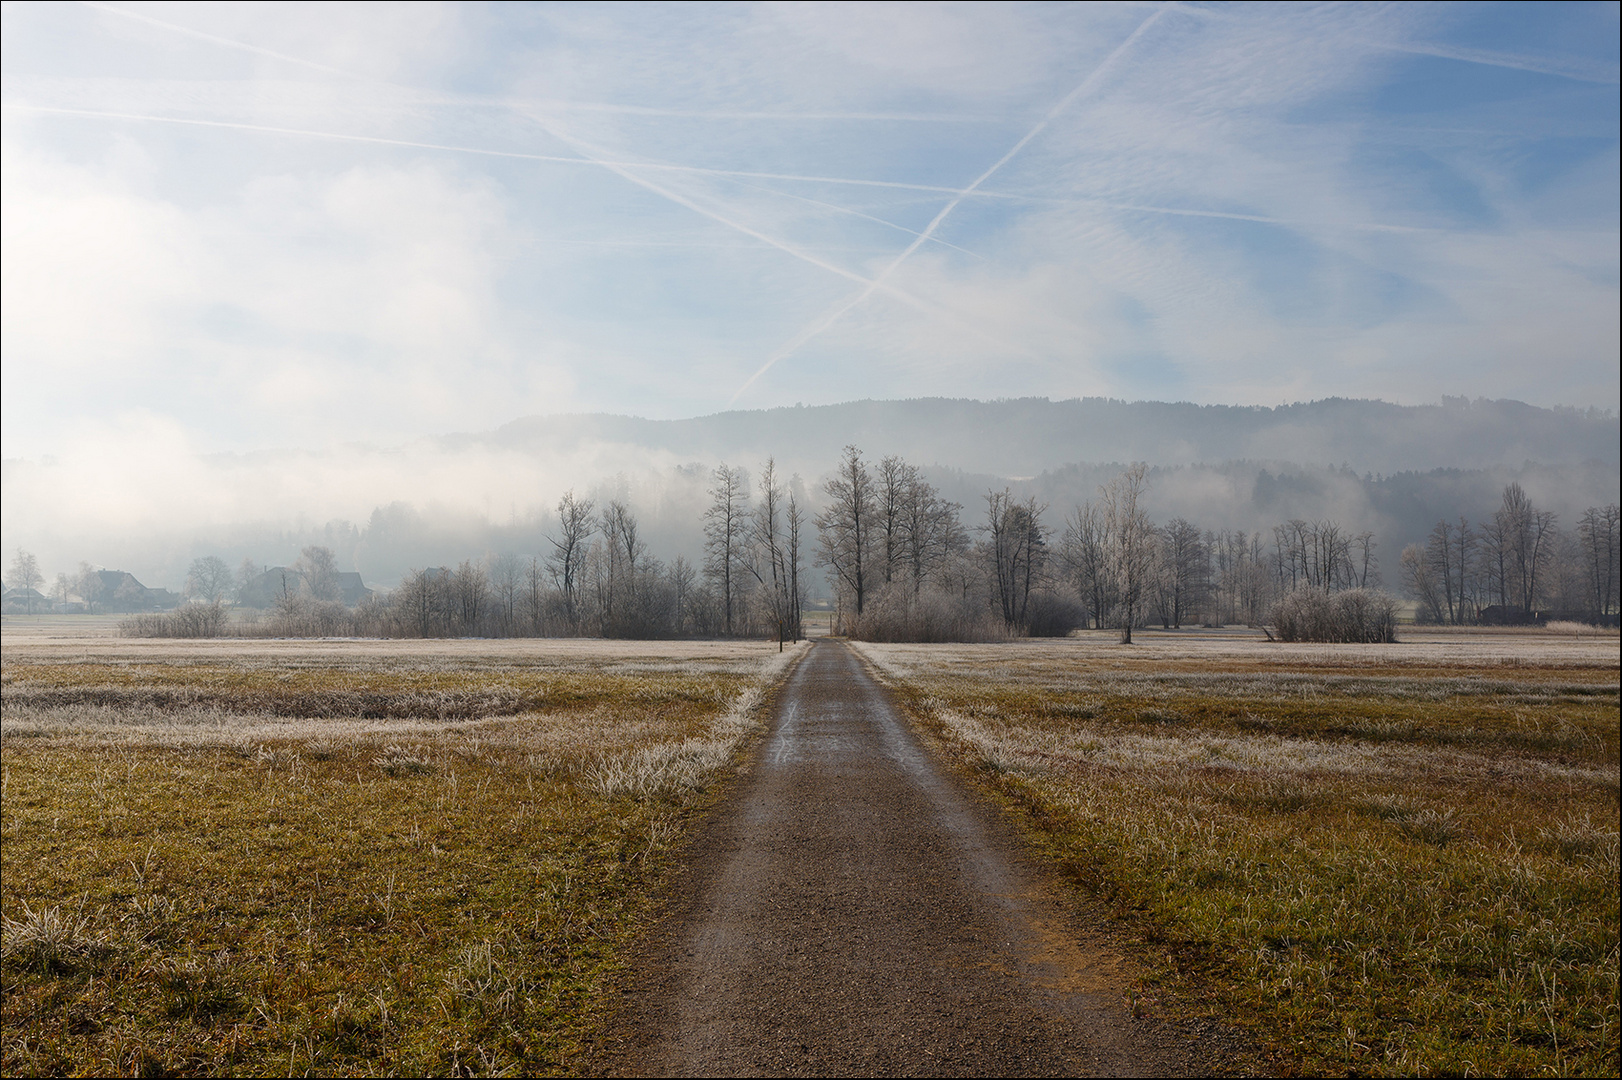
{"type": "Point", "coordinates": [934, 616]}
{"type": "Point", "coordinates": [191, 621]}
{"type": "Point", "coordinates": [1355, 615]}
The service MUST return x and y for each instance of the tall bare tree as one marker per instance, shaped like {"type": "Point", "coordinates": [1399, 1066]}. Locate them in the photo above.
{"type": "Point", "coordinates": [1085, 551]}
{"type": "Point", "coordinates": [844, 528]}
{"type": "Point", "coordinates": [1598, 533]}
{"type": "Point", "coordinates": [1016, 550]}
{"type": "Point", "coordinates": [794, 520]}
{"type": "Point", "coordinates": [892, 488]}
{"type": "Point", "coordinates": [568, 557]}
{"type": "Point", "coordinates": [506, 577]}
{"type": "Point", "coordinates": [1525, 538]}
{"type": "Point", "coordinates": [726, 525]}
{"type": "Point", "coordinates": [1419, 575]}
{"type": "Point", "coordinates": [769, 553]}
{"type": "Point", "coordinates": [470, 590]}
{"type": "Point", "coordinates": [535, 595]}
{"type": "Point", "coordinates": [1185, 568]}
{"type": "Point", "coordinates": [931, 531]}
{"type": "Point", "coordinates": [1130, 541]}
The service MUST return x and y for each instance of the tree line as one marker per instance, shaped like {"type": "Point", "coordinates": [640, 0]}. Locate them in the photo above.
{"type": "Point", "coordinates": [906, 567]}
{"type": "Point", "coordinates": [1515, 565]}
{"type": "Point", "coordinates": [903, 563]}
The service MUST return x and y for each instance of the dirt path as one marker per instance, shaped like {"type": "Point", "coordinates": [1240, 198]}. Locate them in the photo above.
{"type": "Point", "coordinates": [853, 910]}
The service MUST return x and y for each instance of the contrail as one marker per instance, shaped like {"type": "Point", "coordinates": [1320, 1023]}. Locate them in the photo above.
{"type": "Point", "coordinates": [733, 174]}
{"type": "Point", "coordinates": [584, 106]}
{"type": "Point", "coordinates": [829, 318]}
{"type": "Point", "coordinates": [227, 42]}
{"type": "Point", "coordinates": [233, 125]}
{"type": "Point", "coordinates": [655, 166]}
{"type": "Point", "coordinates": [855, 213]}
{"type": "Point", "coordinates": [1501, 60]}
{"type": "Point", "coordinates": [623, 170]}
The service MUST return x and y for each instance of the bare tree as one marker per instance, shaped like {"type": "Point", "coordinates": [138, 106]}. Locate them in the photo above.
{"type": "Point", "coordinates": [1418, 574]}
{"type": "Point", "coordinates": [683, 580]}
{"type": "Point", "coordinates": [535, 595]}
{"type": "Point", "coordinates": [1016, 550]}
{"type": "Point", "coordinates": [1185, 569]}
{"type": "Point", "coordinates": [769, 553]}
{"type": "Point", "coordinates": [1598, 533]}
{"type": "Point", "coordinates": [317, 568]}
{"type": "Point", "coordinates": [1439, 560]}
{"type": "Point", "coordinates": [844, 528]}
{"type": "Point", "coordinates": [930, 529]}
{"type": "Point", "coordinates": [90, 587]}
{"type": "Point", "coordinates": [418, 603]}
{"type": "Point", "coordinates": [894, 481]}
{"type": "Point", "coordinates": [1525, 537]}
{"type": "Point", "coordinates": [1085, 554]}
{"type": "Point", "coordinates": [209, 579]}
{"type": "Point", "coordinates": [1367, 567]}
{"type": "Point", "coordinates": [470, 588]}
{"type": "Point", "coordinates": [506, 576]}
{"type": "Point", "coordinates": [25, 574]}
{"type": "Point", "coordinates": [1130, 542]}
{"type": "Point", "coordinates": [568, 556]}
{"type": "Point", "coordinates": [726, 525]}
{"type": "Point", "coordinates": [795, 521]}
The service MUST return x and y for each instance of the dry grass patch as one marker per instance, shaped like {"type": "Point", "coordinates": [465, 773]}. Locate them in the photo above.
{"type": "Point", "coordinates": [1411, 869]}
{"type": "Point", "coordinates": [273, 864]}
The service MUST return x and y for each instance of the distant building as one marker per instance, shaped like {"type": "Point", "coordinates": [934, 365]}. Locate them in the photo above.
{"type": "Point", "coordinates": [117, 591]}
{"type": "Point", "coordinates": [25, 602]}
{"type": "Point", "coordinates": [283, 583]}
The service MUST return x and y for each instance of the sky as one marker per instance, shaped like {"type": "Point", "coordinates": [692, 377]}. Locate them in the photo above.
{"type": "Point", "coordinates": [230, 228]}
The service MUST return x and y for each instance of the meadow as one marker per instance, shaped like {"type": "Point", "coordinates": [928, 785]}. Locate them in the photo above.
{"type": "Point", "coordinates": [1376, 859]}
{"type": "Point", "coordinates": [281, 858]}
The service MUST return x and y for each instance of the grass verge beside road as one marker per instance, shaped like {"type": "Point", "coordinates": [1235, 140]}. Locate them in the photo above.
{"type": "Point", "coordinates": [346, 861]}
{"type": "Point", "coordinates": [1375, 865]}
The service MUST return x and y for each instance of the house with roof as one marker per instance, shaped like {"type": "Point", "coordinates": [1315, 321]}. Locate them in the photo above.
{"type": "Point", "coordinates": [118, 592]}
{"type": "Point", "coordinates": [280, 583]}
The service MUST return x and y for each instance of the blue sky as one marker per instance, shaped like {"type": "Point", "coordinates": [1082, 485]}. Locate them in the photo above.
{"type": "Point", "coordinates": [232, 227]}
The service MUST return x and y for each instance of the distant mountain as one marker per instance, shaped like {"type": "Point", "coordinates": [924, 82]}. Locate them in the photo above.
{"type": "Point", "coordinates": [1027, 436]}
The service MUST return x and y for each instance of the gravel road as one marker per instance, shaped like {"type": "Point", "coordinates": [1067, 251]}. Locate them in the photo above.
{"type": "Point", "coordinates": [853, 909]}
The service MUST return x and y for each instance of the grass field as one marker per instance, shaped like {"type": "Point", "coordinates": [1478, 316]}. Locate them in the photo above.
{"type": "Point", "coordinates": [342, 857]}
{"type": "Point", "coordinates": [1396, 859]}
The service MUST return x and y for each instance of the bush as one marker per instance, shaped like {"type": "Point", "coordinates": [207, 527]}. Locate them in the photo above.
{"type": "Point", "coordinates": [1355, 615]}
{"type": "Point", "coordinates": [191, 621]}
{"type": "Point", "coordinates": [894, 614]}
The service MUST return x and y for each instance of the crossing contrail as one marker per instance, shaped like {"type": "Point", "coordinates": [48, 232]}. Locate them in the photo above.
{"type": "Point", "coordinates": [833, 315]}
{"type": "Point", "coordinates": [655, 166]}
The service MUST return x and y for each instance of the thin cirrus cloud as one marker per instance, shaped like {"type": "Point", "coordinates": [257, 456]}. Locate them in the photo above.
{"type": "Point", "coordinates": [272, 226]}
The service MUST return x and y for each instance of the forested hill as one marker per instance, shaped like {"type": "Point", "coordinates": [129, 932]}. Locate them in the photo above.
{"type": "Point", "coordinates": [1026, 436]}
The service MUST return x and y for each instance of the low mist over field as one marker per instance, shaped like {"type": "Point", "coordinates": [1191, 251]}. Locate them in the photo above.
{"type": "Point", "coordinates": [1392, 469]}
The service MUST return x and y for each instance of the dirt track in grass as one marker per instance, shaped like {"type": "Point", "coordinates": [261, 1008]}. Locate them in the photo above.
{"type": "Point", "coordinates": [853, 909]}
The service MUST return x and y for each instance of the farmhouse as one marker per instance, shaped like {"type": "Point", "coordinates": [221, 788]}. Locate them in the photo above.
{"type": "Point", "coordinates": [283, 583]}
